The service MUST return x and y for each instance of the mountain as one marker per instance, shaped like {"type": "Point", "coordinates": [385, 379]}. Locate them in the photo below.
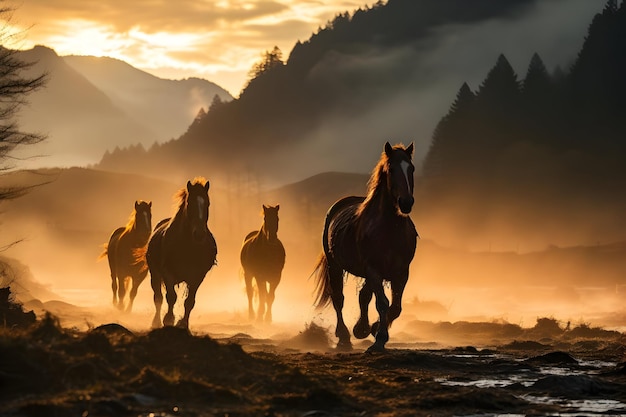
{"type": "Point", "coordinates": [165, 106]}
{"type": "Point", "coordinates": [386, 72]}
{"type": "Point", "coordinates": [81, 122]}
{"type": "Point", "coordinates": [93, 105]}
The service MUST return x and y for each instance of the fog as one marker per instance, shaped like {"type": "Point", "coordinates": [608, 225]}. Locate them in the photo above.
{"type": "Point", "coordinates": [63, 239]}
{"type": "Point", "coordinates": [512, 266]}
{"type": "Point", "coordinates": [411, 88]}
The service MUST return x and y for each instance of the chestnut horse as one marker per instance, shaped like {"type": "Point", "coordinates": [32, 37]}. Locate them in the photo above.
{"type": "Point", "coordinates": [120, 250]}
{"type": "Point", "coordinates": [371, 237]}
{"type": "Point", "coordinates": [181, 249]}
{"type": "Point", "coordinates": [263, 258]}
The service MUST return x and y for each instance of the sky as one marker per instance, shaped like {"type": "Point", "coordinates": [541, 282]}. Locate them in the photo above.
{"type": "Point", "coordinates": [218, 40]}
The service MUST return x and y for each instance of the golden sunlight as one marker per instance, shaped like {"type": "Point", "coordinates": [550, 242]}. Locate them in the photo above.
{"type": "Point", "coordinates": [84, 37]}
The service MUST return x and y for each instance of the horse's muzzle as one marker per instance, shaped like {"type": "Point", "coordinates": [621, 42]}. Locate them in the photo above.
{"type": "Point", "coordinates": [406, 204]}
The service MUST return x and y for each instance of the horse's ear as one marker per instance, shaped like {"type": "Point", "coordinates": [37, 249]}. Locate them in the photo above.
{"type": "Point", "coordinates": [277, 207]}
{"type": "Point", "coordinates": [409, 150]}
{"type": "Point", "coordinates": [265, 207]}
{"type": "Point", "coordinates": [150, 204]}
{"type": "Point", "coordinates": [188, 185]}
{"type": "Point", "coordinates": [207, 185]}
{"type": "Point", "coordinates": [136, 204]}
{"type": "Point", "coordinates": [388, 148]}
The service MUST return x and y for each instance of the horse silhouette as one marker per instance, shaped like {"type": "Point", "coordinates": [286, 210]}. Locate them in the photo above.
{"type": "Point", "coordinates": [371, 237]}
{"type": "Point", "coordinates": [181, 249]}
{"type": "Point", "coordinates": [121, 252]}
{"type": "Point", "coordinates": [263, 258]}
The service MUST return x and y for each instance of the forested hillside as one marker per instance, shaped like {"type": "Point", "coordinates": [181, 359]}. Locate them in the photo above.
{"type": "Point", "coordinates": [342, 71]}
{"type": "Point", "coordinates": [549, 148]}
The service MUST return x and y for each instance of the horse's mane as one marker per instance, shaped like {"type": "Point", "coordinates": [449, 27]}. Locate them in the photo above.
{"type": "Point", "coordinates": [131, 221]}
{"type": "Point", "coordinates": [378, 177]}
{"type": "Point", "coordinates": [180, 198]}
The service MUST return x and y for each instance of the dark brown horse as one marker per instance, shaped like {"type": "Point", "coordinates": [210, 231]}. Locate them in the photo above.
{"type": "Point", "coordinates": [374, 238]}
{"type": "Point", "coordinates": [181, 249]}
{"type": "Point", "coordinates": [263, 258]}
{"type": "Point", "coordinates": [123, 244]}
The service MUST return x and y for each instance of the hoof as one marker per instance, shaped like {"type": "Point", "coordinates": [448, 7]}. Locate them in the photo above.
{"type": "Point", "coordinates": [344, 346]}
{"type": "Point", "coordinates": [361, 331]}
{"type": "Point", "coordinates": [376, 348]}
{"type": "Point", "coordinates": [375, 327]}
{"type": "Point", "coordinates": [182, 324]}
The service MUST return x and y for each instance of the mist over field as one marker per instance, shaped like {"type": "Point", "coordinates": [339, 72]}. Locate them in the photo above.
{"type": "Point", "coordinates": [514, 252]}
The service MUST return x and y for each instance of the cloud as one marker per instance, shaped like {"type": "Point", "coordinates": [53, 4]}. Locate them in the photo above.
{"type": "Point", "coordinates": [217, 40]}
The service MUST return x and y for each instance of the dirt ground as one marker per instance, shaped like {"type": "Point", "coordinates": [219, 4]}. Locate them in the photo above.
{"type": "Point", "coordinates": [47, 369]}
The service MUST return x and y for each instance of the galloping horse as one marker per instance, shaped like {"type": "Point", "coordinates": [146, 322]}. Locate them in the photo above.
{"type": "Point", "coordinates": [181, 249]}
{"type": "Point", "coordinates": [263, 258]}
{"type": "Point", "coordinates": [121, 251]}
{"type": "Point", "coordinates": [374, 238]}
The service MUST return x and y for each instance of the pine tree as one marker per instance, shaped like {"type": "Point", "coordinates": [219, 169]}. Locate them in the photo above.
{"type": "Point", "coordinates": [444, 157]}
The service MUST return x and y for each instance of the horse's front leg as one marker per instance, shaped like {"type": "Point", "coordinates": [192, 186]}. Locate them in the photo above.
{"type": "Point", "coordinates": [262, 287]}
{"type": "Point", "coordinates": [271, 295]}
{"type": "Point", "coordinates": [190, 302]}
{"type": "Point", "coordinates": [382, 306]}
{"type": "Point", "coordinates": [247, 276]}
{"type": "Point", "coordinates": [397, 290]}
{"type": "Point", "coordinates": [121, 293]}
{"type": "Point", "coordinates": [114, 288]}
{"type": "Point", "coordinates": [155, 280]}
{"type": "Point", "coordinates": [170, 296]}
{"type": "Point", "coordinates": [362, 327]}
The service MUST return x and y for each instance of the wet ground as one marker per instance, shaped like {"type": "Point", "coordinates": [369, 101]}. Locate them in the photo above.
{"type": "Point", "coordinates": [49, 370]}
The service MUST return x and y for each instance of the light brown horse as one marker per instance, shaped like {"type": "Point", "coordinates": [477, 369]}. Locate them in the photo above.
{"type": "Point", "coordinates": [263, 258]}
{"type": "Point", "coordinates": [120, 250]}
{"type": "Point", "coordinates": [371, 237]}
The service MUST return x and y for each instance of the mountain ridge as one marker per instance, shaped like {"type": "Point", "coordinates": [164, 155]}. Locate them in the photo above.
{"type": "Point", "coordinates": [82, 120]}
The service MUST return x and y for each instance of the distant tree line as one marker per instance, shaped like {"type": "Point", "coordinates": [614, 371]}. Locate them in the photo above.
{"type": "Point", "coordinates": [552, 132]}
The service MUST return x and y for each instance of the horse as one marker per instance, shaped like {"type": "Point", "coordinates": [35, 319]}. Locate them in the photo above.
{"type": "Point", "coordinates": [371, 237]}
{"type": "Point", "coordinates": [120, 251]}
{"type": "Point", "coordinates": [263, 258]}
{"type": "Point", "coordinates": [181, 249]}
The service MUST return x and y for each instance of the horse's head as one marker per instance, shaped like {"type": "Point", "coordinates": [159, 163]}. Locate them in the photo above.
{"type": "Point", "coordinates": [270, 223]}
{"type": "Point", "coordinates": [400, 171]}
{"type": "Point", "coordinates": [143, 215]}
{"type": "Point", "coordinates": [198, 209]}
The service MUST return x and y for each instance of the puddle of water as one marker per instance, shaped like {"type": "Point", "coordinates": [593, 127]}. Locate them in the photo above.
{"type": "Point", "coordinates": [489, 383]}
{"type": "Point", "coordinates": [589, 406]}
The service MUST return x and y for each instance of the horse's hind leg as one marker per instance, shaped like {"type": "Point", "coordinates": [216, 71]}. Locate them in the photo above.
{"type": "Point", "coordinates": [136, 281]}
{"type": "Point", "coordinates": [336, 285]}
{"type": "Point", "coordinates": [362, 327]}
{"type": "Point", "coordinates": [247, 276]}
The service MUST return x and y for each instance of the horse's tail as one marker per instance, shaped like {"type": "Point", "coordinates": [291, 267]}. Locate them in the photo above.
{"type": "Point", "coordinates": [105, 252]}
{"type": "Point", "coordinates": [322, 282]}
